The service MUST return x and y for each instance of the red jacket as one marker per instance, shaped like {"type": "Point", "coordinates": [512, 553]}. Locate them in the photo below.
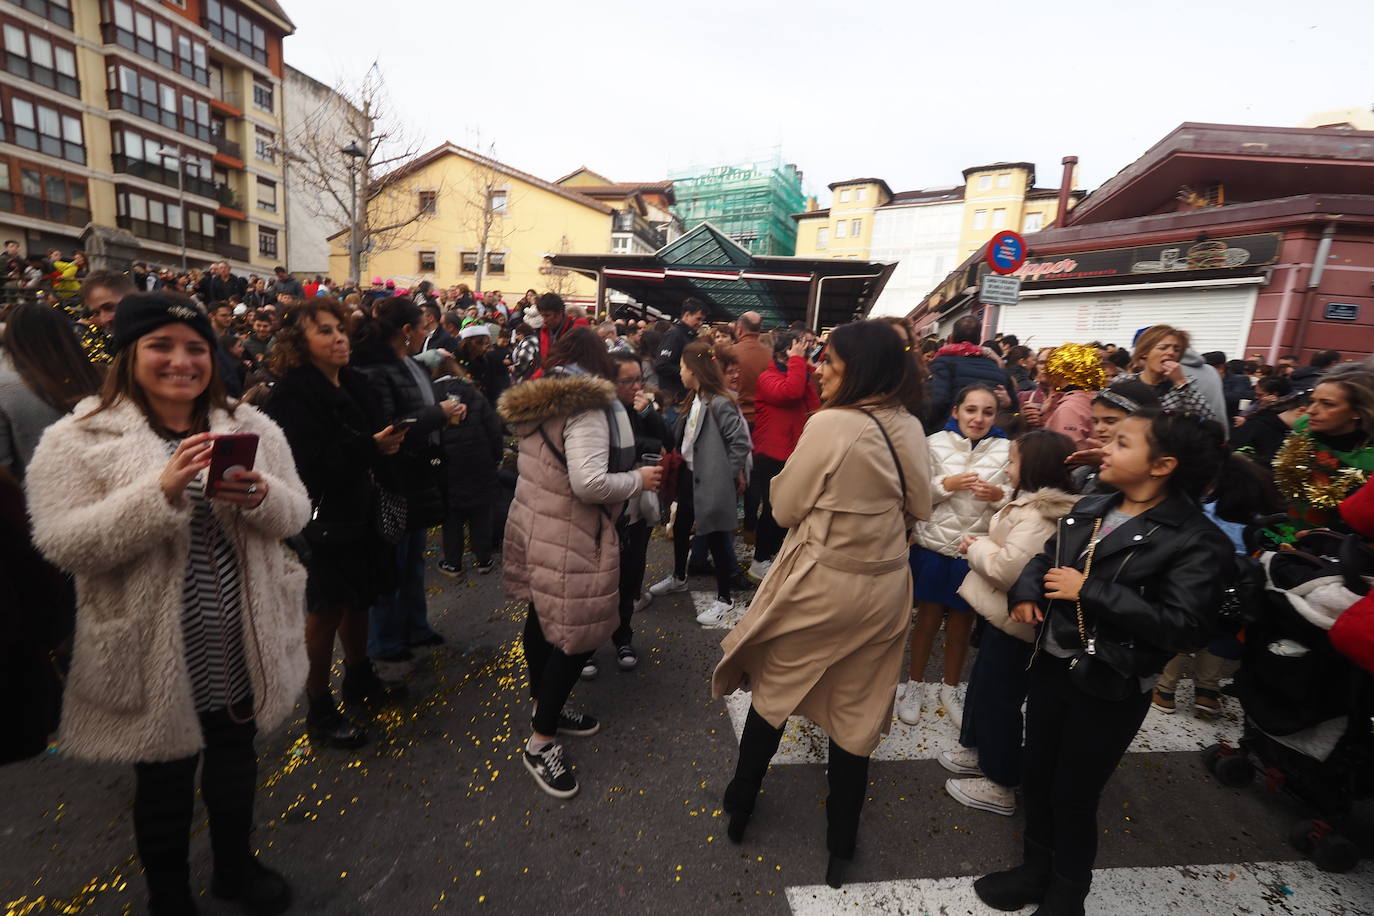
{"type": "Point", "coordinates": [548, 337]}
{"type": "Point", "coordinates": [782, 403]}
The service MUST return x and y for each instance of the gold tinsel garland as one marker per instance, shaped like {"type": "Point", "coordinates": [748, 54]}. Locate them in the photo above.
{"type": "Point", "coordinates": [1075, 364]}
{"type": "Point", "coordinates": [1302, 477]}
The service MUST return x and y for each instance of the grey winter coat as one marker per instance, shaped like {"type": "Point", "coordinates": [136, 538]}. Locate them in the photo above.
{"type": "Point", "coordinates": [23, 417]}
{"type": "Point", "coordinates": [721, 452]}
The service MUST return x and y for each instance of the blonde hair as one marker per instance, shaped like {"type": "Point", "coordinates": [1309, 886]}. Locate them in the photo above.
{"type": "Point", "coordinates": [1151, 336]}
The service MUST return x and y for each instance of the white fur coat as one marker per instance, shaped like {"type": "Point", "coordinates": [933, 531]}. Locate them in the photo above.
{"type": "Point", "coordinates": [99, 512]}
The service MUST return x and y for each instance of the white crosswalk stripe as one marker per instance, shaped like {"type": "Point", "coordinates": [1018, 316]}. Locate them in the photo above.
{"type": "Point", "coordinates": [1179, 890]}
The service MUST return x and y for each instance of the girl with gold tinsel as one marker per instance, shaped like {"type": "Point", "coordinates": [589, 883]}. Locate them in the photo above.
{"type": "Point", "coordinates": [1328, 454]}
{"type": "Point", "coordinates": [1075, 374]}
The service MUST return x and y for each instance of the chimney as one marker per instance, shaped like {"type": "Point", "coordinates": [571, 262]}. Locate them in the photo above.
{"type": "Point", "coordinates": [1065, 190]}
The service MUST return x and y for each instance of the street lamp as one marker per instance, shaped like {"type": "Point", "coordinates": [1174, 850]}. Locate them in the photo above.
{"type": "Point", "coordinates": [354, 153]}
{"type": "Point", "coordinates": [182, 160]}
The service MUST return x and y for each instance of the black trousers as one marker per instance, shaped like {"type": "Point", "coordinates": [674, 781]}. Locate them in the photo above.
{"type": "Point", "coordinates": [847, 774]}
{"type": "Point", "coordinates": [634, 550]}
{"type": "Point", "coordinates": [1073, 745]}
{"type": "Point", "coordinates": [164, 798]}
{"type": "Point", "coordinates": [992, 708]}
{"type": "Point", "coordinates": [770, 534]}
{"type": "Point", "coordinates": [552, 674]}
{"type": "Point", "coordinates": [719, 542]}
{"type": "Point", "coordinates": [478, 522]}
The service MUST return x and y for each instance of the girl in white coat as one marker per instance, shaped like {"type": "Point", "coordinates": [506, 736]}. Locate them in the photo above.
{"type": "Point", "coordinates": [968, 480]}
{"type": "Point", "coordinates": [189, 623]}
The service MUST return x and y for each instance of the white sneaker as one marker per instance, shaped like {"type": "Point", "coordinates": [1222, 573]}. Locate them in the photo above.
{"type": "Point", "coordinates": [591, 669]}
{"type": "Point", "coordinates": [716, 613]}
{"type": "Point", "coordinates": [909, 707]}
{"type": "Point", "coordinates": [962, 761]}
{"type": "Point", "coordinates": [758, 570]}
{"type": "Point", "coordinates": [949, 701]}
{"type": "Point", "coordinates": [643, 601]}
{"type": "Point", "coordinates": [983, 794]}
{"type": "Point", "coordinates": [668, 586]}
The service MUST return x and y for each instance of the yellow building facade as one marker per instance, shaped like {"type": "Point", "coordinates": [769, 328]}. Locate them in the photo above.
{"type": "Point", "coordinates": [1003, 196]}
{"type": "Point", "coordinates": [458, 190]}
{"type": "Point", "coordinates": [845, 230]}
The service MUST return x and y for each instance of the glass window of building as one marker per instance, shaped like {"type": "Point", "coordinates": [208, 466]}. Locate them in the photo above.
{"type": "Point", "coordinates": [58, 11]}
{"type": "Point", "coordinates": [427, 261]}
{"type": "Point", "coordinates": [999, 218]}
{"type": "Point", "coordinates": [844, 195]}
{"type": "Point", "coordinates": [498, 201]}
{"type": "Point", "coordinates": [469, 262]}
{"type": "Point", "coordinates": [236, 29]}
{"type": "Point", "coordinates": [822, 238]}
{"type": "Point", "coordinates": [856, 227]}
{"type": "Point", "coordinates": [496, 262]}
{"type": "Point", "coordinates": [267, 195]}
{"type": "Point", "coordinates": [980, 219]}
{"type": "Point", "coordinates": [265, 145]}
{"type": "Point", "coordinates": [429, 202]}
{"type": "Point", "coordinates": [984, 182]}
{"type": "Point", "coordinates": [262, 95]}
{"type": "Point", "coordinates": [1004, 180]}
{"type": "Point", "coordinates": [267, 242]}
{"type": "Point", "coordinates": [860, 193]}
{"type": "Point", "coordinates": [33, 56]}
{"type": "Point", "coordinates": [841, 228]}
{"type": "Point", "coordinates": [1032, 222]}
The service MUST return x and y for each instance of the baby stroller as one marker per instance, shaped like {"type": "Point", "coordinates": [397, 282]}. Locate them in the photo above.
{"type": "Point", "coordinates": [1307, 708]}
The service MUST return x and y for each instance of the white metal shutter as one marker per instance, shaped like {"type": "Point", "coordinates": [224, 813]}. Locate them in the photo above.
{"type": "Point", "coordinates": [1217, 318]}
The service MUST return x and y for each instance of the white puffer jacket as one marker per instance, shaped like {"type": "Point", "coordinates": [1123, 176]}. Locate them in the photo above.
{"type": "Point", "coordinates": [956, 514]}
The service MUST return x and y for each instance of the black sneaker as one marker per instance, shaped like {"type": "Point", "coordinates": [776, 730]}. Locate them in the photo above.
{"type": "Point", "coordinates": [259, 890]}
{"type": "Point", "coordinates": [577, 724]}
{"type": "Point", "coordinates": [327, 727]}
{"type": "Point", "coordinates": [626, 657]}
{"type": "Point", "coordinates": [484, 568]}
{"type": "Point", "coordinates": [451, 570]}
{"type": "Point", "coordinates": [550, 770]}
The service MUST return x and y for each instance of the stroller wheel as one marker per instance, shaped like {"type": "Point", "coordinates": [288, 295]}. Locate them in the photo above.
{"type": "Point", "coordinates": [1215, 753]}
{"type": "Point", "coordinates": [1304, 835]}
{"type": "Point", "coordinates": [1235, 771]}
{"type": "Point", "coordinates": [1334, 853]}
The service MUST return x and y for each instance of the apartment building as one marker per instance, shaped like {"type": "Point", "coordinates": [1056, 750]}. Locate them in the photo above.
{"type": "Point", "coordinates": [143, 130]}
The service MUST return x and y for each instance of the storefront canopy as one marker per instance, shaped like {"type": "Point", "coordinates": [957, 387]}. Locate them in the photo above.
{"type": "Point", "coordinates": [706, 264]}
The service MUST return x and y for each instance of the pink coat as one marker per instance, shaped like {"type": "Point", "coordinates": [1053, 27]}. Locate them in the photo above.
{"type": "Point", "coordinates": [1072, 415]}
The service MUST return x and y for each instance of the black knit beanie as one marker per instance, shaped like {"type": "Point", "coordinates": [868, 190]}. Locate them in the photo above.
{"type": "Point", "coordinates": [142, 313]}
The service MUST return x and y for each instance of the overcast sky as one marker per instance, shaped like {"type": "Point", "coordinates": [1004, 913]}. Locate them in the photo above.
{"type": "Point", "coordinates": [912, 91]}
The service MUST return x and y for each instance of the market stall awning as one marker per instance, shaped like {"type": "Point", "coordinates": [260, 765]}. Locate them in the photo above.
{"type": "Point", "coordinates": [708, 265]}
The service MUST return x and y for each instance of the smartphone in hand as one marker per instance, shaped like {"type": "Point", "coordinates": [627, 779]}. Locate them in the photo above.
{"type": "Point", "coordinates": [230, 454]}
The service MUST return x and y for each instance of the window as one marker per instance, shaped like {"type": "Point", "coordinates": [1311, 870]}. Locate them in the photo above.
{"type": "Point", "coordinates": [822, 238]}
{"type": "Point", "coordinates": [469, 259]}
{"type": "Point", "coordinates": [429, 201]}
{"type": "Point", "coordinates": [44, 193]}
{"type": "Point", "coordinates": [999, 218]}
{"type": "Point", "coordinates": [428, 260]}
{"type": "Point", "coordinates": [35, 57]}
{"type": "Point", "coordinates": [227, 23]}
{"type": "Point", "coordinates": [267, 195]}
{"type": "Point", "coordinates": [267, 242]}
{"type": "Point", "coordinates": [859, 193]}
{"type": "Point", "coordinates": [1004, 179]}
{"type": "Point", "coordinates": [262, 95]}
{"type": "Point", "coordinates": [984, 182]}
{"type": "Point", "coordinates": [844, 196]}
{"type": "Point", "coordinates": [266, 145]}
{"type": "Point", "coordinates": [154, 38]}
{"type": "Point", "coordinates": [620, 244]}
{"type": "Point", "coordinates": [138, 154]}
{"type": "Point", "coordinates": [58, 11]}
{"type": "Point", "coordinates": [44, 128]}
{"type": "Point", "coordinates": [498, 201]}
{"type": "Point", "coordinates": [841, 228]}
{"type": "Point", "coordinates": [1032, 222]}
{"type": "Point", "coordinates": [159, 219]}
{"type": "Point", "coordinates": [980, 219]}
{"type": "Point", "coordinates": [137, 92]}
{"type": "Point", "coordinates": [496, 262]}
{"type": "Point", "coordinates": [856, 227]}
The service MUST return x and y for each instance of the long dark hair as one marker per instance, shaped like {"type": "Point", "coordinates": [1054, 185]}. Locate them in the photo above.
{"type": "Point", "coordinates": [45, 352]}
{"type": "Point", "coordinates": [387, 319]}
{"type": "Point", "coordinates": [878, 369]}
{"type": "Point", "coordinates": [1207, 466]}
{"type": "Point", "coordinates": [1042, 453]}
{"type": "Point", "coordinates": [583, 348]}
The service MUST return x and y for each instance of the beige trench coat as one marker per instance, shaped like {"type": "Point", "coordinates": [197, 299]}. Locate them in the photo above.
{"type": "Point", "coordinates": [824, 636]}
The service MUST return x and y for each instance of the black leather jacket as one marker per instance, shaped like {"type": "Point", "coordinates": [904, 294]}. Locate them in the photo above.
{"type": "Point", "coordinates": [1155, 585]}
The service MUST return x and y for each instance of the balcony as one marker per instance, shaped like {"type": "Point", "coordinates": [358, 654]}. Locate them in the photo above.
{"type": "Point", "coordinates": [227, 102]}
{"type": "Point", "coordinates": [168, 119]}
{"type": "Point", "coordinates": [163, 176]}
{"type": "Point", "coordinates": [157, 232]}
{"type": "Point", "coordinates": [637, 226]}
{"type": "Point", "coordinates": [44, 209]}
{"type": "Point", "coordinates": [227, 198]}
{"type": "Point", "coordinates": [226, 249]}
{"type": "Point", "coordinates": [43, 76]}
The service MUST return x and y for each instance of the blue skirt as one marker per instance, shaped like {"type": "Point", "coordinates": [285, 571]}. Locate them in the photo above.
{"type": "Point", "coordinates": [936, 577]}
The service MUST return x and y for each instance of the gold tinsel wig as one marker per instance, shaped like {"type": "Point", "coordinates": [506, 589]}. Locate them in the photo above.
{"type": "Point", "coordinates": [1076, 365]}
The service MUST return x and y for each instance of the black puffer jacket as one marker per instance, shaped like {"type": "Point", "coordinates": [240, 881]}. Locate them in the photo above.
{"type": "Point", "coordinates": [420, 461]}
{"type": "Point", "coordinates": [950, 374]}
{"type": "Point", "coordinates": [1155, 585]}
{"type": "Point", "coordinates": [472, 448]}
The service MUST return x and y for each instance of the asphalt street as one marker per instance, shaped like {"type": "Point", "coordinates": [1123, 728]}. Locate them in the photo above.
{"type": "Point", "coordinates": [437, 814]}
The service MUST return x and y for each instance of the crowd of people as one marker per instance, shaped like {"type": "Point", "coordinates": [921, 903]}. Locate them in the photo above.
{"type": "Point", "coordinates": [1072, 513]}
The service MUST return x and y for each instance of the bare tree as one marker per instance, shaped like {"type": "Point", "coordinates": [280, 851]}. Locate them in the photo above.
{"type": "Point", "coordinates": [485, 204]}
{"type": "Point", "coordinates": [352, 153]}
{"type": "Point", "coordinates": [560, 280]}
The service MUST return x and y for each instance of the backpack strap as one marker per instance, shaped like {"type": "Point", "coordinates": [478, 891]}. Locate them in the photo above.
{"type": "Point", "coordinates": [563, 460]}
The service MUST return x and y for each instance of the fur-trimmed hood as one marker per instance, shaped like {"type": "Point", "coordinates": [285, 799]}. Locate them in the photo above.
{"type": "Point", "coordinates": [531, 403]}
{"type": "Point", "coordinates": [1051, 502]}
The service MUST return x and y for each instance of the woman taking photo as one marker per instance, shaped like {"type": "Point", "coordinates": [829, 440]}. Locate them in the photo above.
{"type": "Point", "coordinates": [561, 552]}
{"type": "Point", "coordinates": [340, 445]}
{"type": "Point", "coordinates": [188, 627]}
{"type": "Point", "coordinates": [1129, 580]}
{"type": "Point", "coordinates": [383, 347]}
{"type": "Point", "coordinates": [715, 446]}
{"type": "Point", "coordinates": [852, 489]}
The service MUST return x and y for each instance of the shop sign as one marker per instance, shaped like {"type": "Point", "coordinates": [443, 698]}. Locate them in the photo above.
{"type": "Point", "coordinates": [996, 290]}
{"type": "Point", "coordinates": [1243, 251]}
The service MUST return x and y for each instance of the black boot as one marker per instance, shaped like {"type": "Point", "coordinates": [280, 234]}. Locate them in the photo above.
{"type": "Point", "coordinates": [847, 775]}
{"type": "Point", "coordinates": [169, 894]}
{"type": "Point", "coordinates": [1016, 887]}
{"type": "Point", "coordinates": [757, 745]}
{"type": "Point", "coordinates": [835, 871]}
{"type": "Point", "coordinates": [1064, 898]}
{"type": "Point", "coordinates": [362, 684]}
{"type": "Point", "coordinates": [327, 727]}
{"type": "Point", "coordinates": [259, 890]}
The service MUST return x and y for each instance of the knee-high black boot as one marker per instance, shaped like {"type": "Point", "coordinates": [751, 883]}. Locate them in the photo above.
{"type": "Point", "coordinates": [757, 746]}
{"type": "Point", "coordinates": [848, 777]}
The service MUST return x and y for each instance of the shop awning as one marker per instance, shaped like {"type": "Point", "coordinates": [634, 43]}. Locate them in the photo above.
{"type": "Point", "coordinates": [708, 265]}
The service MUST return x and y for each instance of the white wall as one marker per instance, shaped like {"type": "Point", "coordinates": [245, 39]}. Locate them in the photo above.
{"type": "Point", "coordinates": [307, 230]}
{"type": "Point", "coordinates": [924, 241]}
